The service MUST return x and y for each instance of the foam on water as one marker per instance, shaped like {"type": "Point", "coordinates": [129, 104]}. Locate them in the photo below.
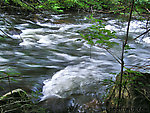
{"type": "Point", "coordinates": [74, 79]}
{"type": "Point", "coordinates": [147, 40]}
{"type": "Point", "coordinates": [3, 59]}
{"type": "Point", "coordinates": [27, 42]}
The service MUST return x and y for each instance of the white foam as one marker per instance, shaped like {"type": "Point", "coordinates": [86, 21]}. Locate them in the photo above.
{"type": "Point", "coordinates": [146, 40]}
{"type": "Point", "coordinates": [32, 31]}
{"type": "Point", "coordinates": [66, 56]}
{"type": "Point", "coordinates": [71, 80]}
{"type": "Point", "coordinates": [3, 59]}
{"type": "Point", "coordinates": [45, 40]}
{"type": "Point", "coordinates": [27, 42]}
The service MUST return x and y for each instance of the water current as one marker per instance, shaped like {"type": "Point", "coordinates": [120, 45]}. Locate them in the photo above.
{"type": "Point", "coordinates": [50, 59]}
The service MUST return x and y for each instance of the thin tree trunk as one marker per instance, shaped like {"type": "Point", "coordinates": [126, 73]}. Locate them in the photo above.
{"type": "Point", "coordinates": [122, 56]}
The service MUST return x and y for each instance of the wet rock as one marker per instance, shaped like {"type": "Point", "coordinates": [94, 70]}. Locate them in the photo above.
{"type": "Point", "coordinates": [54, 104]}
{"type": "Point", "coordinates": [135, 94]}
{"type": "Point", "coordinates": [94, 106]}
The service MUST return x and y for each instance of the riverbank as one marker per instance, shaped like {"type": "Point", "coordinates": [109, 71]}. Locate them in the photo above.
{"type": "Point", "coordinates": [135, 93]}
{"type": "Point", "coordinates": [135, 98]}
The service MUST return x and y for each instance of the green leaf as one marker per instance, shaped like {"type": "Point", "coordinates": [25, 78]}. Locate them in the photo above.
{"type": "Point", "coordinates": [78, 40]}
{"type": "Point", "coordinates": [127, 47]}
{"type": "Point", "coordinates": [99, 41]}
{"type": "Point", "coordinates": [106, 38]}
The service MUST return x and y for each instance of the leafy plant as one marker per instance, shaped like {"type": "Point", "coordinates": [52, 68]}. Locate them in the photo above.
{"type": "Point", "coordinates": [98, 35]}
{"type": "Point", "coordinates": [101, 37]}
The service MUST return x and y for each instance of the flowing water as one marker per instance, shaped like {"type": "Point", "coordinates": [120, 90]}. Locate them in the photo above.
{"type": "Point", "coordinates": [50, 59]}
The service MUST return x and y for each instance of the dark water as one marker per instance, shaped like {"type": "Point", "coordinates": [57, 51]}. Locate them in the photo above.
{"type": "Point", "coordinates": [47, 51]}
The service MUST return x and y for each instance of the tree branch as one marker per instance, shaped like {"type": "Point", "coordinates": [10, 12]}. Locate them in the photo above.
{"type": "Point", "coordinates": [142, 34]}
{"type": "Point", "coordinates": [122, 56]}
{"type": "Point", "coordinates": [115, 57]}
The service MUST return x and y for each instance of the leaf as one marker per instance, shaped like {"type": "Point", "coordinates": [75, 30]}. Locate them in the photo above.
{"type": "Point", "coordinates": [99, 41]}
{"type": "Point", "coordinates": [90, 42]}
{"type": "Point", "coordinates": [13, 79]}
{"type": "Point", "coordinates": [106, 38]}
{"type": "Point", "coordinates": [78, 39]}
{"type": "Point", "coordinates": [113, 73]}
{"type": "Point", "coordinates": [101, 35]}
{"type": "Point", "coordinates": [82, 35]}
{"type": "Point", "coordinates": [127, 47]}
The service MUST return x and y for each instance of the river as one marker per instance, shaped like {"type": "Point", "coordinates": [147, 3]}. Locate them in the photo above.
{"type": "Point", "coordinates": [51, 61]}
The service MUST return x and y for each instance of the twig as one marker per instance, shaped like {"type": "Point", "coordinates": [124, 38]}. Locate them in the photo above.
{"type": "Point", "coordinates": [115, 57]}
{"type": "Point", "coordinates": [139, 13]}
{"type": "Point", "coordinates": [147, 23]}
{"type": "Point", "coordinates": [143, 95]}
{"type": "Point", "coordinates": [31, 6]}
{"type": "Point", "coordinates": [147, 10]}
{"type": "Point", "coordinates": [142, 34]}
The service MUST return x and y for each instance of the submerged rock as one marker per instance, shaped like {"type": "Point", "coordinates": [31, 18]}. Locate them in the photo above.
{"type": "Point", "coordinates": [135, 92]}
{"type": "Point", "coordinates": [54, 104]}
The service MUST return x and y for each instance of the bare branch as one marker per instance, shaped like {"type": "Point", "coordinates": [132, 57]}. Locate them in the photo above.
{"type": "Point", "coordinates": [142, 34]}
{"type": "Point", "coordinates": [115, 57]}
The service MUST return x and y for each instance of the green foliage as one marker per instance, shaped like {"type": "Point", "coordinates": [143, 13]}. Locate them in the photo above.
{"type": "Point", "coordinates": [127, 48]}
{"type": "Point", "coordinates": [22, 4]}
{"type": "Point", "coordinates": [142, 6]}
{"type": "Point", "coordinates": [68, 3]}
{"type": "Point", "coordinates": [50, 4]}
{"type": "Point", "coordinates": [130, 77]}
{"type": "Point", "coordinates": [90, 4]}
{"type": "Point", "coordinates": [98, 35]}
{"type": "Point", "coordinates": [115, 6]}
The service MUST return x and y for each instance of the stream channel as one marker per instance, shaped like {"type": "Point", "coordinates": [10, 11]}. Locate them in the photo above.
{"type": "Point", "coordinates": [53, 63]}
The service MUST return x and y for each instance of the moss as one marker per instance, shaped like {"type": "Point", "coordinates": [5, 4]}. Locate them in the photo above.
{"type": "Point", "coordinates": [14, 101]}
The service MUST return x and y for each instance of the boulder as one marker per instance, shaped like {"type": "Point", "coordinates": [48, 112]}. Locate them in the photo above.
{"type": "Point", "coordinates": [135, 92]}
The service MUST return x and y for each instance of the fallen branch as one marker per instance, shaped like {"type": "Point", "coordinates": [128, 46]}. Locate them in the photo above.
{"type": "Point", "coordinates": [5, 33]}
